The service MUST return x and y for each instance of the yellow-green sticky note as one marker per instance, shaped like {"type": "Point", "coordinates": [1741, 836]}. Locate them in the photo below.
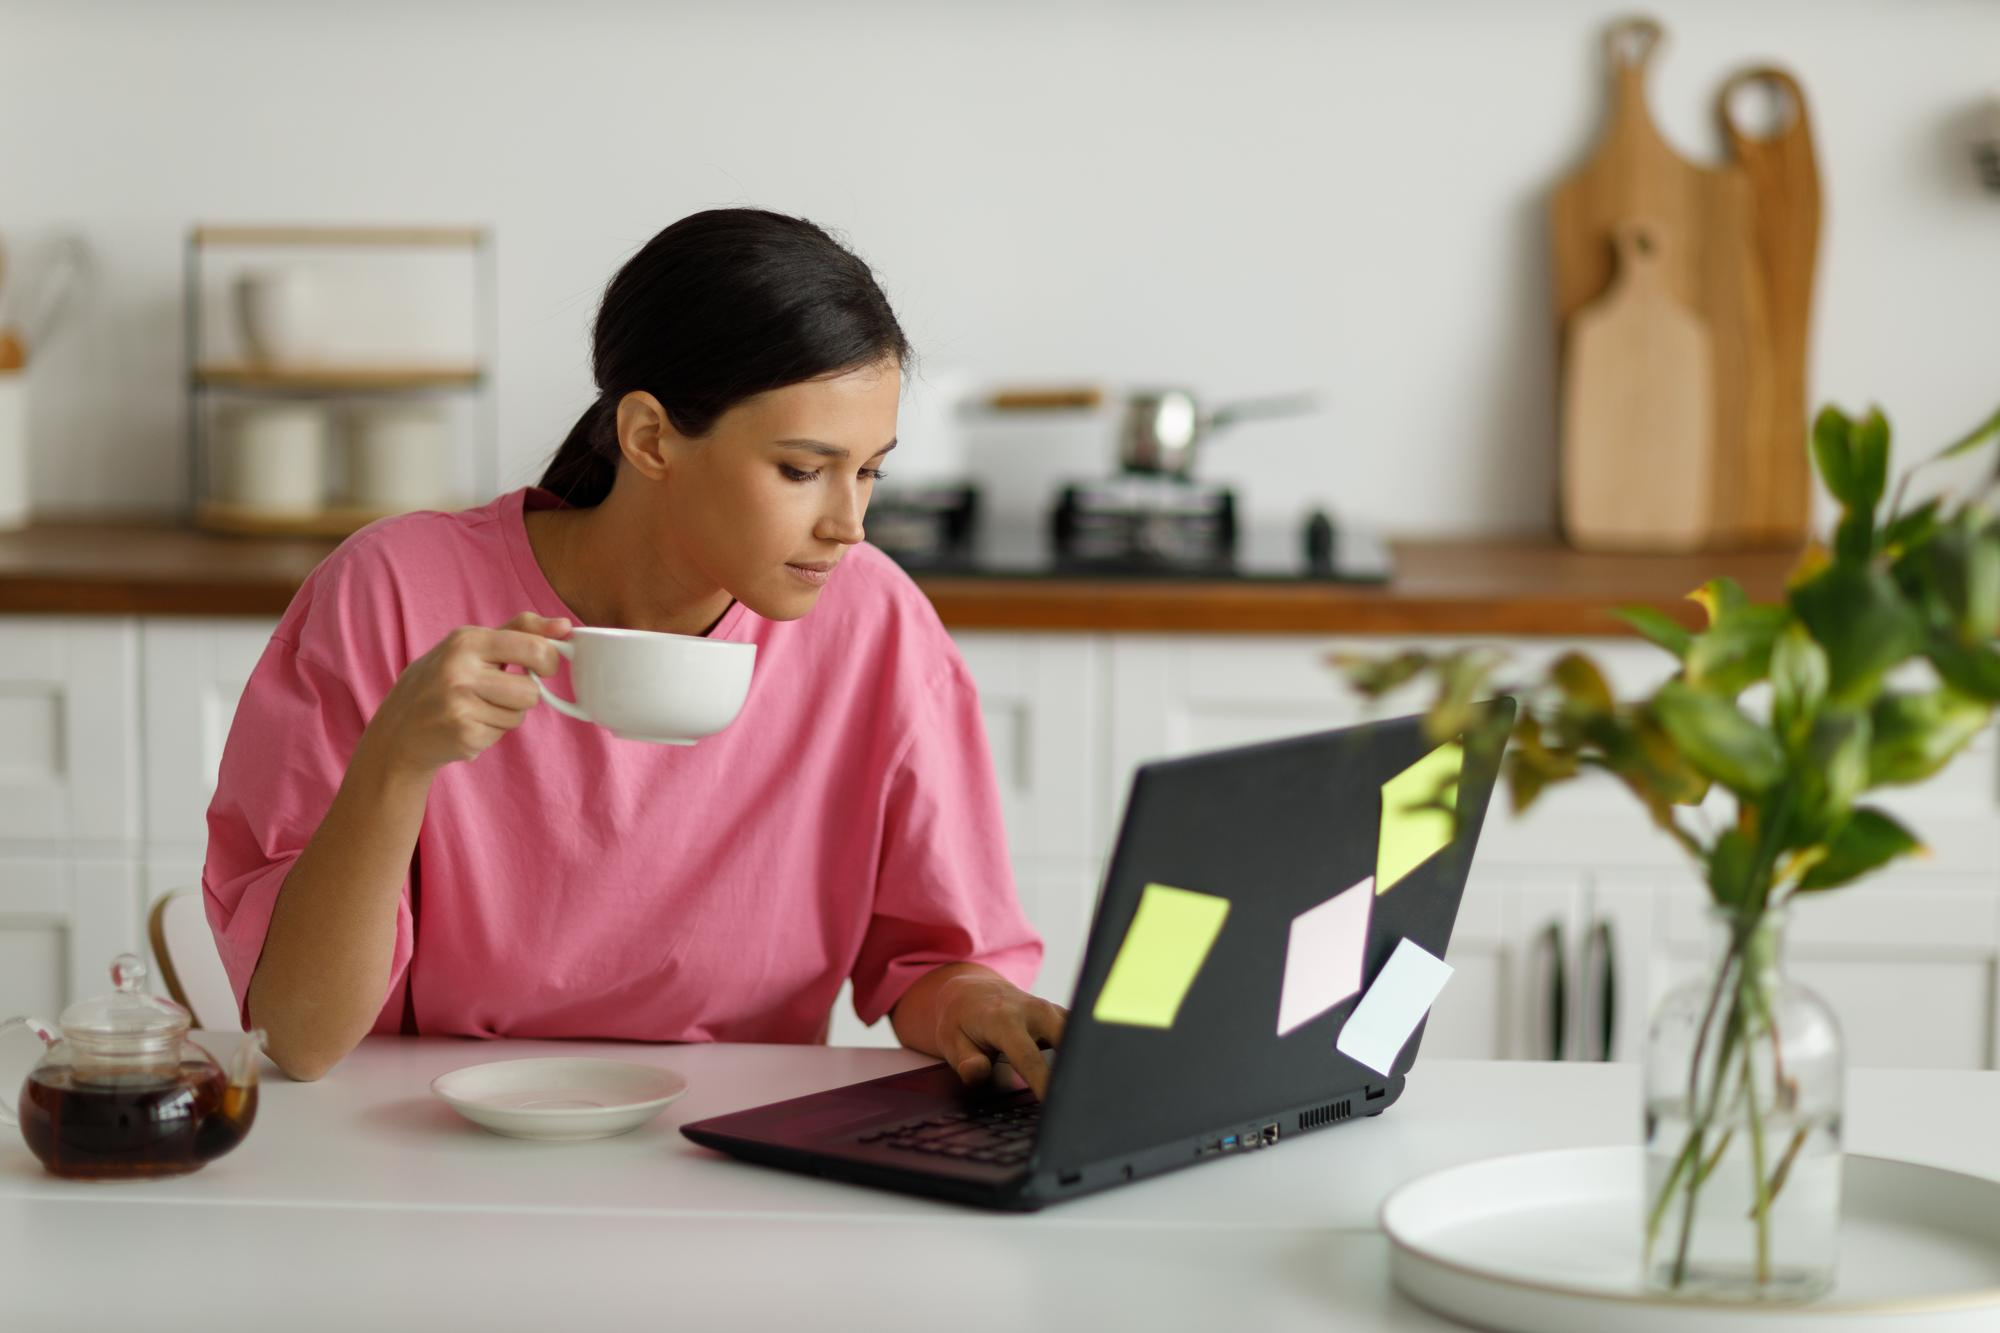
{"type": "Point", "coordinates": [1169, 939]}
{"type": "Point", "coordinates": [1411, 837]}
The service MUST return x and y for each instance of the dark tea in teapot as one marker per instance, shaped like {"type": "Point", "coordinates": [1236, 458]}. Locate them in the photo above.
{"type": "Point", "coordinates": [133, 1125]}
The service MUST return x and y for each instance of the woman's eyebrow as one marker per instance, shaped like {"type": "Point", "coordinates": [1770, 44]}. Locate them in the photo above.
{"type": "Point", "coordinates": [825, 450]}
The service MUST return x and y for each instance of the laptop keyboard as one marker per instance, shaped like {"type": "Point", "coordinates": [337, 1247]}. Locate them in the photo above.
{"type": "Point", "coordinates": [998, 1135]}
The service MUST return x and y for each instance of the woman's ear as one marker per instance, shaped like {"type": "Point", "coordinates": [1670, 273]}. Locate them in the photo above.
{"type": "Point", "coordinates": [645, 436]}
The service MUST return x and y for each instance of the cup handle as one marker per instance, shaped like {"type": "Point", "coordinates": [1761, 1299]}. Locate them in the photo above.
{"type": "Point", "coordinates": [41, 1028]}
{"type": "Point", "coordinates": [557, 702]}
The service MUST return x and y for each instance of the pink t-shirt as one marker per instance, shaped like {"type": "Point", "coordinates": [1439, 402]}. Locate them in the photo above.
{"type": "Point", "coordinates": [571, 884]}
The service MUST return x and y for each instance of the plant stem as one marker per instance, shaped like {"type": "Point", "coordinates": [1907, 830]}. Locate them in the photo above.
{"type": "Point", "coordinates": [1784, 1170]}
{"type": "Point", "coordinates": [1763, 1206]}
{"type": "Point", "coordinates": [1730, 1031]}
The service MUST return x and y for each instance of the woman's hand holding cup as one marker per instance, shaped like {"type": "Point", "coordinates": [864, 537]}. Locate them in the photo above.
{"type": "Point", "coordinates": [459, 698]}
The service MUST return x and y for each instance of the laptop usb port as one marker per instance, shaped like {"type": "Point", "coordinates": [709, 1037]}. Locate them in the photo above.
{"type": "Point", "coordinates": [1376, 1094]}
{"type": "Point", "coordinates": [1229, 1143]}
{"type": "Point", "coordinates": [1271, 1133]}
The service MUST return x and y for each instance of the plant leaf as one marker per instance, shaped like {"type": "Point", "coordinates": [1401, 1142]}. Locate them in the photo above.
{"type": "Point", "coordinates": [1917, 734]}
{"type": "Point", "coordinates": [1835, 772]}
{"type": "Point", "coordinates": [1860, 618]}
{"type": "Point", "coordinates": [1719, 740]}
{"type": "Point", "coordinates": [1377, 676]}
{"type": "Point", "coordinates": [1972, 671]}
{"type": "Point", "coordinates": [1867, 841]}
{"type": "Point", "coordinates": [1831, 458]}
{"type": "Point", "coordinates": [1912, 529]}
{"type": "Point", "coordinates": [1582, 683]}
{"type": "Point", "coordinates": [1661, 628]}
{"type": "Point", "coordinates": [1460, 678]}
{"type": "Point", "coordinates": [1868, 453]}
{"type": "Point", "coordinates": [1731, 863]}
{"type": "Point", "coordinates": [1799, 676]}
{"type": "Point", "coordinates": [1978, 435]}
{"type": "Point", "coordinates": [1719, 597]}
{"type": "Point", "coordinates": [1736, 651]}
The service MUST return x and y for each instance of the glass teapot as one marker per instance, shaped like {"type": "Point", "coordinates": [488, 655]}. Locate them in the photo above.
{"type": "Point", "coordinates": [124, 1095]}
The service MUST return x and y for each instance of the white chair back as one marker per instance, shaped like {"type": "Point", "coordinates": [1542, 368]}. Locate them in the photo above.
{"type": "Point", "coordinates": [184, 952]}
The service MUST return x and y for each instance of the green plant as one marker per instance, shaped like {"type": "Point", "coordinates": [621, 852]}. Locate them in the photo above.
{"type": "Point", "coordinates": [1797, 708]}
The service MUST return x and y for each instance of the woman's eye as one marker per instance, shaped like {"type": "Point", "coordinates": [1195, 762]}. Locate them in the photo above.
{"type": "Point", "coordinates": [796, 474]}
{"type": "Point", "coordinates": [873, 473]}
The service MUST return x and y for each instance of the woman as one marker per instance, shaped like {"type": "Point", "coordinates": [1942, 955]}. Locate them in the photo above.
{"type": "Point", "coordinates": [365, 874]}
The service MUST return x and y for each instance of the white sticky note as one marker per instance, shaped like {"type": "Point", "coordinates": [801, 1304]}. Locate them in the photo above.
{"type": "Point", "coordinates": [1323, 958]}
{"type": "Point", "coordinates": [1402, 994]}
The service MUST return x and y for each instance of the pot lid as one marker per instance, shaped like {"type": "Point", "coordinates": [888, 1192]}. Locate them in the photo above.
{"type": "Point", "coordinates": [128, 1013]}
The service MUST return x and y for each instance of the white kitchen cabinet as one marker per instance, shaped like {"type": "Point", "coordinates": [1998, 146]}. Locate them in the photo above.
{"type": "Point", "coordinates": [195, 672]}
{"type": "Point", "coordinates": [69, 736]}
{"type": "Point", "coordinates": [62, 921]}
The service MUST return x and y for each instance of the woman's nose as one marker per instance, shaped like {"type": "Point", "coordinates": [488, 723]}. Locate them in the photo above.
{"type": "Point", "coordinates": [842, 521]}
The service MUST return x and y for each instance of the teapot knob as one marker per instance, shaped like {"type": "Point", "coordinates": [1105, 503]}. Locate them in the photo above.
{"type": "Point", "coordinates": [128, 973]}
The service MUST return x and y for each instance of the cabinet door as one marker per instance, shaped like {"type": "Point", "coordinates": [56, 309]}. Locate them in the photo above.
{"type": "Point", "coordinates": [62, 921]}
{"type": "Point", "coordinates": [1909, 961]}
{"type": "Point", "coordinates": [195, 673]}
{"type": "Point", "coordinates": [1512, 993]}
{"type": "Point", "coordinates": [1039, 695]}
{"type": "Point", "coordinates": [69, 742]}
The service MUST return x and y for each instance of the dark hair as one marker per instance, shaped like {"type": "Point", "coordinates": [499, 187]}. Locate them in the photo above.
{"type": "Point", "coordinates": [717, 308]}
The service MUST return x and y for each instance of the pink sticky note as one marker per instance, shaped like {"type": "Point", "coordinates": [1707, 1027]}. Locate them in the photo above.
{"type": "Point", "coordinates": [1324, 955]}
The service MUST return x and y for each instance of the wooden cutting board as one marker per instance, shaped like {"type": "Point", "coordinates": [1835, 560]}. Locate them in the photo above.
{"type": "Point", "coordinates": [1638, 410]}
{"type": "Point", "coordinates": [1776, 499]}
{"type": "Point", "coordinates": [1710, 268]}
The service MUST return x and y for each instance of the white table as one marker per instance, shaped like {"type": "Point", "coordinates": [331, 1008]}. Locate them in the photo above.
{"type": "Point", "coordinates": [362, 1202]}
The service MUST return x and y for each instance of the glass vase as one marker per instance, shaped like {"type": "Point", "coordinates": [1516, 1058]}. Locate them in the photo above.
{"type": "Point", "coordinates": [1744, 1078]}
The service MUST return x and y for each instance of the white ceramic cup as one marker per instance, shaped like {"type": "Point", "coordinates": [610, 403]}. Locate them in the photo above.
{"type": "Point", "coordinates": [272, 457]}
{"type": "Point", "coordinates": [278, 314]}
{"type": "Point", "coordinates": [672, 689]}
{"type": "Point", "coordinates": [398, 457]}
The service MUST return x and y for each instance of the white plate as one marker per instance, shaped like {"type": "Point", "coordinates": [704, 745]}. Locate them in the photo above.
{"type": "Point", "coordinates": [559, 1098]}
{"type": "Point", "coordinates": [1549, 1243]}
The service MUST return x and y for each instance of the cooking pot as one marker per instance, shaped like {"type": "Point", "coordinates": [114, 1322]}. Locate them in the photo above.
{"type": "Point", "coordinates": [1159, 430]}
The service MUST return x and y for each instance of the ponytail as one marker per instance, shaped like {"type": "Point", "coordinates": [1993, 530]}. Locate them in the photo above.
{"type": "Point", "coordinates": [586, 465]}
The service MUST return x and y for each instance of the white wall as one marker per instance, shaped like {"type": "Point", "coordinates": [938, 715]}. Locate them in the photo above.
{"type": "Point", "coordinates": [1246, 197]}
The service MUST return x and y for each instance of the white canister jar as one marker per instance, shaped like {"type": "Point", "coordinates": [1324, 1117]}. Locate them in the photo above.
{"type": "Point", "coordinates": [398, 457]}
{"type": "Point", "coordinates": [13, 449]}
{"type": "Point", "coordinates": [272, 457]}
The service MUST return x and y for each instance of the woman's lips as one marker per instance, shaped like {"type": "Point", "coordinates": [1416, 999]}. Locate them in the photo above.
{"type": "Point", "coordinates": [816, 574]}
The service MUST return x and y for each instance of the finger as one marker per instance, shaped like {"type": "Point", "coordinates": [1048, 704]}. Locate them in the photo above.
{"type": "Point", "coordinates": [504, 689]}
{"type": "Point", "coordinates": [493, 717]}
{"type": "Point", "coordinates": [553, 627]}
{"type": "Point", "coordinates": [963, 1054]}
{"type": "Point", "coordinates": [1047, 1021]}
{"type": "Point", "coordinates": [511, 647]}
{"type": "Point", "coordinates": [1008, 1032]}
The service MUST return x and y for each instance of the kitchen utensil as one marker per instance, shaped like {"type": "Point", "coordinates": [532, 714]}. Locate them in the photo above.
{"type": "Point", "coordinates": [1637, 410]}
{"type": "Point", "coordinates": [123, 1094]}
{"type": "Point", "coordinates": [1162, 428]}
{"type": "Point", "coordinates": [1549, 1242]}
{"type": "Point", "coordinates": [645, 685]}
{"type": "Point", "coordinates": [398, 456]}
{"type": "Point", "coordinates": [561, 1098]}
{"type": "Point", "coordinates": [33, 306]}
{"type": "Point", "coordinates": [1773, 490]}
{"type": "Point", "coordinates": [1709, 266]}
{"type": "Point", "coordinates": [272, 457]}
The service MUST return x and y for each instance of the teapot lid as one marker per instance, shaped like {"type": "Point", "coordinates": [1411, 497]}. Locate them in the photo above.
{"type": "Point", "coordinates": [126, 1014]}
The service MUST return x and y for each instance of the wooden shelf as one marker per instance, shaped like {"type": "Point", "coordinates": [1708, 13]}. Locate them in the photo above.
{"type": "Point", "coordinates": [236, 521]}
{"type": "Point", "coordinates": [326, 235]}
{"type": "Point", "coordinates": [337, 379]}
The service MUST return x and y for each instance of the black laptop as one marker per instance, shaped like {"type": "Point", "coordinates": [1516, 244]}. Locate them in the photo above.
{"type": "Point", "coordinates": [1179, 1059]}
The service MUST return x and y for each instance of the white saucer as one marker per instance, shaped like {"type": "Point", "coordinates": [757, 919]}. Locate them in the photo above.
{"type": "Point", "coordinates": [558, 1097]}
{"type": "Point", "coordinates": [1548, 1242]}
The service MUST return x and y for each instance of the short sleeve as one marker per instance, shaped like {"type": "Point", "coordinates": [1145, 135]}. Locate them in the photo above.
{"type": "Point", "coordinates": [295, 729]}
{"type": "Point", "coordinates": [944, 891]}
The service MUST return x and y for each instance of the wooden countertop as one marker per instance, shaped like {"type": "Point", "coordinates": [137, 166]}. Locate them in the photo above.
{"type": "Point", "coordinates": [1510, 586]}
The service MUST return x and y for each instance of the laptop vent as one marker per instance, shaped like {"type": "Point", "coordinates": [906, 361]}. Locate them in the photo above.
{"type": "Point", "coordinates": [1325, 1115]}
